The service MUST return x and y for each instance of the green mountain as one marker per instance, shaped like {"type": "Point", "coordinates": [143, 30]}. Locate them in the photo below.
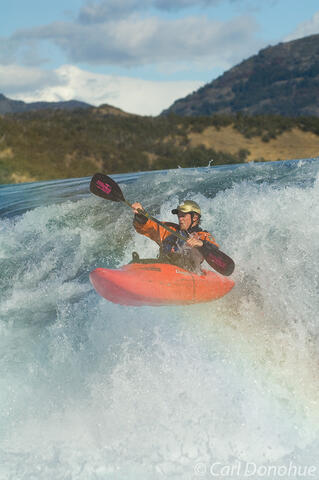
{"type": "Point", "coordinates": [53, 144]}
{"type": "Point", "coordinates": [280, 80]}
{"type": "Point", "coordinates": [16, 106]}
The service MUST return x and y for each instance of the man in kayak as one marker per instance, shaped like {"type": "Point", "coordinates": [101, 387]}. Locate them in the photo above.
{"type": "Point", "coordinates": [172, 249]}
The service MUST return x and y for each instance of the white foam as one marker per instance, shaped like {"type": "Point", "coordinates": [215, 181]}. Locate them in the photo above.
{"type": "Point", "coordinates": [96, 390]}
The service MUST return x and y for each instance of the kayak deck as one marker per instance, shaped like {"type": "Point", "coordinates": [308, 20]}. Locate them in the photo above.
{"type": "Point", "coordinates": [158, 284]}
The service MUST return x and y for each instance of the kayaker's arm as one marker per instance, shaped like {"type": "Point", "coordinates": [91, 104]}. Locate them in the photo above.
{"type": "Point", "coordinates": [151, 230]}
{"type": "Point", "coordinates": [146, 226]}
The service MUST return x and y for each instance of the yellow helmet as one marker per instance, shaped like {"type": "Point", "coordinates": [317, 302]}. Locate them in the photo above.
{"type": "Point", "coordinates": [188, 206]}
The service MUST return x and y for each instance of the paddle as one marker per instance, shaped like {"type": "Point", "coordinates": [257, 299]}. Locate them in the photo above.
{"type": "Point", "coordinates": [105, 187]}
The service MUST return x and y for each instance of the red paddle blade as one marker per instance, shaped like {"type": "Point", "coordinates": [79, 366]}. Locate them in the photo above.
{"type": "Point", "coordinates": [103, 186]}
{"type": "Point", "coordinates": [218, 260]}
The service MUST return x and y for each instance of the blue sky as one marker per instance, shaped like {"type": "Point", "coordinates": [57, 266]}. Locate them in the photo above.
{"type": "Point", "coordinates": [138, 55]}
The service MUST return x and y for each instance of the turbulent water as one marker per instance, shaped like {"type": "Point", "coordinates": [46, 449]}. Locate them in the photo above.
{"type": "Point", "coordinates": [227, 389]}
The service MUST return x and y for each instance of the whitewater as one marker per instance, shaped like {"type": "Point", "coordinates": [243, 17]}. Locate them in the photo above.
{"type": "Point", "coordinates": [226, 389]}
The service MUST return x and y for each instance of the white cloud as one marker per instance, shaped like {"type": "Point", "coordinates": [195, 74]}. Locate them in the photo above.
{"type": "Point", "coordinates": [97, 12]}
{"type": "Point", "coordinates": [106, 10]}
{"type": "Point", "coordinates": [309, 27]}
{"type": "Point", "coordinates": [135, 41]}
{"type": "Point", "coordinates": [176, 5]}
{"type": "Point", "coordinates": [133, 95]}
{"type": "Point", "coordinates": [15, 78]}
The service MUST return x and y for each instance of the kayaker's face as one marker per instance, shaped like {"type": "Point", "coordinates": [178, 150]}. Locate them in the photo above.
{"type": "Point", "coordinates": [185, 220]}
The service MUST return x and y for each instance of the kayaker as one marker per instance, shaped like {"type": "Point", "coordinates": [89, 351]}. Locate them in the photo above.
{"type": "Point", "coordinates": [172, 249]}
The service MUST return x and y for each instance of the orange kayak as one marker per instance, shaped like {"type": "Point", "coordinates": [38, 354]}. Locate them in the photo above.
{"type": "Point", "coordinates": [158, 284]}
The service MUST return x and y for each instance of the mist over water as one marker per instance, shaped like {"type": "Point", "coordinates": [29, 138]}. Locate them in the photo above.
{"type": "Point", "coordinates": [94, 390]}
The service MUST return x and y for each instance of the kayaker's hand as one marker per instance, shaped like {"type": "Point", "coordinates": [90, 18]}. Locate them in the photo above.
{"type": "Point", "coordinates": [194, 242]}
{"type": "Point", "coordinates": [136, 207]}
